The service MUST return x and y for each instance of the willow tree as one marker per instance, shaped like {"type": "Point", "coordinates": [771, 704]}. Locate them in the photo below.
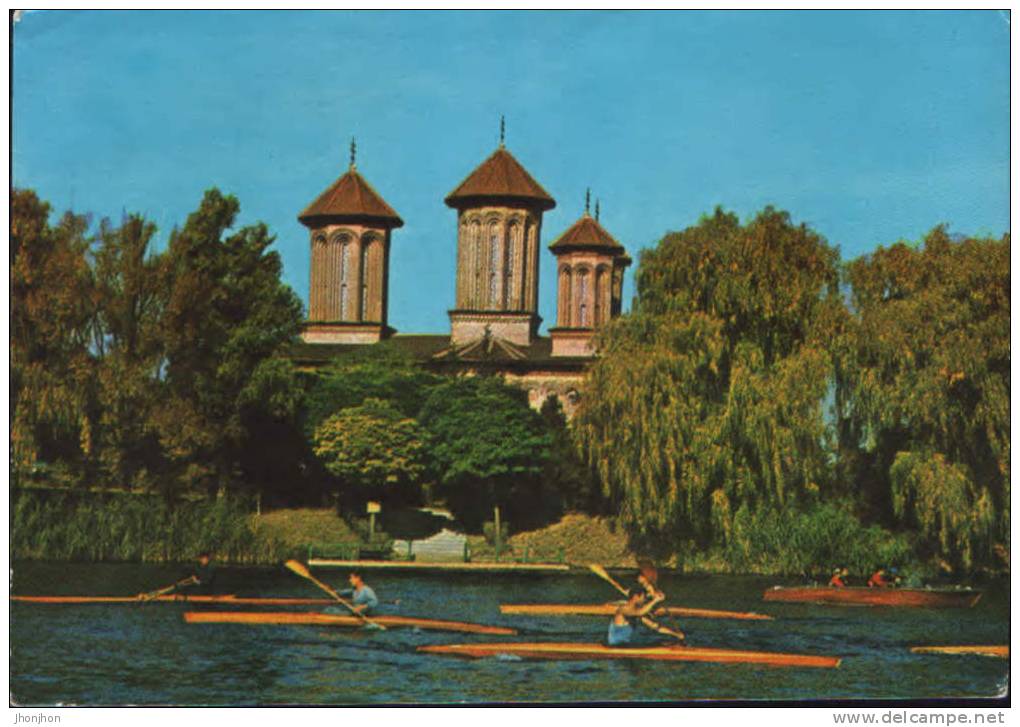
{"type": "Point", "coordinates": [707, 400]}
{"type": "Point", "coordinates": [926, 380]}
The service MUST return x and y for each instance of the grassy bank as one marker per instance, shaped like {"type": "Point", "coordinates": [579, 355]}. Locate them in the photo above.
{"type": "Point", "coordinates": [54, 525]}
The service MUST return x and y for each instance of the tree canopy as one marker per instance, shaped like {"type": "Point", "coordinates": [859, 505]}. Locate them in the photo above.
{"type": "Point", "coordinates": [926, 382]}
{"type": "Point", "coordinates": [488, 447]}
{"type": "Point", "coordinates": [709, 396]}
{"type": "Point", "coordinates": [373, 446]}
{"type": "Point", "coordinates": [144, 368]}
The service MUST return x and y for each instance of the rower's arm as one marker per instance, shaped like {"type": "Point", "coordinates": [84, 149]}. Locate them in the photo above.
{"type": "Point", "coordinates": [647, 608]}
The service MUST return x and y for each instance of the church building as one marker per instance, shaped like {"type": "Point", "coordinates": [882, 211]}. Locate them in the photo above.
{"type": "Point", "coordinates": [494, 319]}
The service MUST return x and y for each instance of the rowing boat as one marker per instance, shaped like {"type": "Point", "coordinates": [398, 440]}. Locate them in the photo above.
{"type": "Point", "coordinates": [584, 652]}
{"type": "Point", "coordinates": [608, 609]}
{"type": "Point", "coordinates": [179, 598]}
{"type": "Point", "coordinates": [859, 596]}
{"type": "Point", "coordinates": [1000, 651]}
{"type": "Point", "coordinates": [290, 618]}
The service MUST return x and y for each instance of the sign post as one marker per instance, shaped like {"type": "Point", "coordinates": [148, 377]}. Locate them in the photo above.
{"type": "Point", "coordinates": [372, 508]}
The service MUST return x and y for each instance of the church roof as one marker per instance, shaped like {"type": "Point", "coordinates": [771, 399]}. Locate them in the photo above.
{"type": "Point", "coordinates": [588, 234]}
{"type": "Point", "coordinates": [351, 199]}
{"type": "Point", "coordinates": [437, 351]}
{"type": "Point", "coordinates": [500, 176]}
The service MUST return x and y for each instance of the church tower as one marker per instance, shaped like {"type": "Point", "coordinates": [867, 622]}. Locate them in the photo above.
{"type": "Point", "coordinates": [499, 222]}
{"type": "Point", "coordinates": [590, 265]}
{"type": "Point", "coordinates": [350, 226]}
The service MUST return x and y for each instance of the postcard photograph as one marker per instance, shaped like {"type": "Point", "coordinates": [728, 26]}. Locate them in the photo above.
{"type": "Point", "coordinates": [509, 358]}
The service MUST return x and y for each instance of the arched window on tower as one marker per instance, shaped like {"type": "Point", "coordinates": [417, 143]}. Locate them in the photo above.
{"type": "Point", "coordinates": [365, 274]}
{"type": "Point", "coordinates": [563, 304]}
{"type": "Point", "coordinates": [601, 294]}
{"type": "Point", "coordinates": [478, 261]}
{"type": "Point", "coordinates": [584, 314]}
{"type": "Point", "coordinates": [345, 274]}
{"type": "Point", "coordinates": [513, 257]}
{"type": "Point", "coordinates": [495, 255]}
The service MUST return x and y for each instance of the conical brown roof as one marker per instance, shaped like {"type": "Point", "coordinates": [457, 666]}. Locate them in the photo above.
{"type": "Point", "coordinates": [500, 176]}
{"type": "Point", "coordinates": [351, 199]}
{"type": "Point", "coordinates": [587, 234]}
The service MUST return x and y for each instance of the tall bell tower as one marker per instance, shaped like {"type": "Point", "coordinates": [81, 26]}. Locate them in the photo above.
{"type": "Point", "coordinates": [350, 226]}
{"type": "Point", "coordinates": [590, 264]}
{"type": "Point", "coordinates": [499, 223]}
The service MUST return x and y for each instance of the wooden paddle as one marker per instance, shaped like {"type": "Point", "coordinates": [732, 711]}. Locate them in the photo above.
{"type": "Point", "coordinates": [601, 573]}
{"type": "Point", "coordinates": [646, 620]}
{"type": "Point", "coordinates": [302, 571]}
{"type": "Point", "coordinates": [163, 591]}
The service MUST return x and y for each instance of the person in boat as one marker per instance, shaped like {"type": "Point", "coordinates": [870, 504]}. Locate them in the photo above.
{"type": "Point", "coordinates": [838, 579]}
{"type": "Point", "coordinates": [637, 606]}
{"type": "Point", "coordinates": [200, 581]}
{"type": "Point", "coordinates": [362, 596]}
{"type": "Point", "coordinates": [883, 578]}
{"type": "Point", "coordinates": [648, 580]}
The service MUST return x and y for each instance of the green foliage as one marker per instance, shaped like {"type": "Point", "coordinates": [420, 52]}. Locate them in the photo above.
{"type": "Point", "coordinates": [163, 371]}
{"type": "Point", "coordinates": [91, 527]}
{"type": "Point", "coordinates": [810, 542]}
{"type": "Point", "coordinates": [372, 446]}
{"type": "Point", "coordinates": [708, 398]}
{"type": "Point", "coordinates": [924, 384]}
{"type": "Point", "coordinates": [227, 313]}
{"type": "Point", "coordinates": [954, 516]}
{"type": "Point", "coordinates": [379, 372]}
{"type": "Point", "coordinates": [50, 364]}
{"type": "Point", "coordinates": [566, 475]}
{"type": "Point", "coordinates": [489, 448]}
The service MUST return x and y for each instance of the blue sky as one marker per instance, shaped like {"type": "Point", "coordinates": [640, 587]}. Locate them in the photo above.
{"type": "Point", "coordinates": [868, 126]}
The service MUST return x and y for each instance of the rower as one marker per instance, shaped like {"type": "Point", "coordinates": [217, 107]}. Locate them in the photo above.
{"type": "Point", "coordinates": [201, 580]}
{"type": "Point", "coordinates": [362, 596]}
{"type": "Point", "coordinates": [648, 581]}
{"type": "Point", "coordinates": [838, 576]}
{"type": "Point", "coordinates": [637, 605]}
{"type": "Point", "coordinates": [883, 578]}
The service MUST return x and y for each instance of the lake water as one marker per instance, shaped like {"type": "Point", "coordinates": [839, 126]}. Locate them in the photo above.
{"type": "Point", "coordinates": [145, 654]}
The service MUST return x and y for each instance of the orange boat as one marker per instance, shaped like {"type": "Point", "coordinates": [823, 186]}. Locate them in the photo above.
{"type": "Point", "coordinates": [858, 596]}
{"type": "Point", "coordinates": [179, 598]}
{"type": "Point", "coordinates": [1001, 652]}
{"type": "Point", "coordinates": [584, 652]}
{"type": "Point", "coordinates": [608, 609]}
{"type": "Point", "coordinates": [291, 618]}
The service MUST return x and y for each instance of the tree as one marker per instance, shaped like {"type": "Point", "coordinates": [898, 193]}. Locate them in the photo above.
{"type": "Point", "coordinates": [708, 398]}
{"type": "Point", "coordinates": [374, 448]}
{"type": "Point", "coordinates": [378, 372]}
{"type": "Point", "coordinates": [488, 448]}
{"type": "Point", "coordinates": [50, 363]}
{"type": "Point", "coordinates": [926, 381]}
{"type": "Point", "coordinates": [566, 475]}
{"type": "Point", "coordinates": [227, 315]}
{"type": "Point", "coordinates": [127, 307]}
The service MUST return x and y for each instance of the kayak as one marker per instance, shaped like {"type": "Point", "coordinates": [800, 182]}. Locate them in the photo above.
{"type": "Point", "coordinates": [583, 652]}
{"type": "Point", "coordinates": [290, 618]}
{"type": "Point", "coordinates": [1000, 651]}
{"type": "Point", "coordinates": [180, 598]}
{"type": "Point", "coordinates": [859, 596]}
{"type": "Point", "coordinates": [608, 609]}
